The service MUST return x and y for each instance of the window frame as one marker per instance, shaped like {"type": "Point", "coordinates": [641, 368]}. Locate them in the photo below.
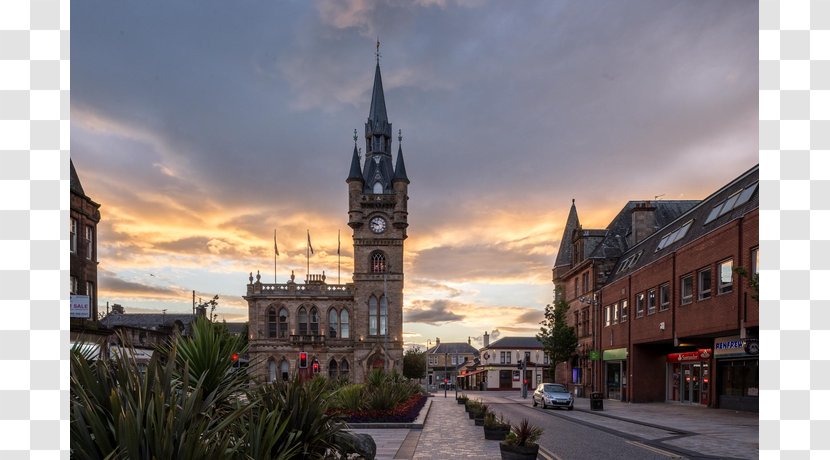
{"type": "Point", "coordinates": [725, 288]}
{"type": "Point", "coordinates": [271, 322]}
{"type": "Point", "coordinates": [333, 326]}
{"type": "Point", "coordinates": [607, 315]}
{"type": "Point", "coordinates": [665, 288]}
{"type": "Point", "coordinates": [640, 304]}
{"type": "Point", "coordinates": [624, 310]}
{"type": "Point", "coordinates": [378, 262]}
{"type": "Point", "coordinates": [651, 301]}
{"type": "Point", "coordinates": [73, 235]}
{"type": "Point", "coordinates": [344, 323]}
{"type": "Point", "coordinates": [89, 235]}
{"type": "Point", "coordinates": [684, 298]}
{"type": "Point", "coordinates": [282, 326]}
{"type": "Point", "coordinates": [754, 261]}
{"type": "Point", "coordinates": [615, 319]}
{"type": "Point", "coordinates": [702, 293]}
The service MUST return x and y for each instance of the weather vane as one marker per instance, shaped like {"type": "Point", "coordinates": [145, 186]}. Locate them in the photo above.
{"type": "Point", "coordinates": [400, 137]}
{"type": "Point", "coordinates": [355, 136]}
{"type": "Point", "coordinates": [377, 50]}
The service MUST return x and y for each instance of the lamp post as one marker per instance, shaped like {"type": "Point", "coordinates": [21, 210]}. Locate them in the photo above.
{"type": "Point", "coordinates": [446, 372]}
{"type": "Point", "coordinates": [426, 366]}
{"type": "Point", "coordinates": [455, 382]}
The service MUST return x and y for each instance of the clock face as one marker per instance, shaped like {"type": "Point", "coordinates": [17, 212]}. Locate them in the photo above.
{"type": "Point", "coordinates": [377, 224]}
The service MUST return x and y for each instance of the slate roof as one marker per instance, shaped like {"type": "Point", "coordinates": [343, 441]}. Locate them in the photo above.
{"type": "Point", "coordinates": [516, 343]}
{"type": "Point", "coordinates": [453, 348]}
{"type": "Point", "coordinates": [354, 171]}
{"type": "Point", "coordinates": [618, 232]}
{"type": "Point", "coordinates": [74, 181]}
{"type": "Point", "coordinates": [152, 321]}
{"type": "Point", "coordinates": [400, 168]}
{"type": "Point", "coordinates": [235, 328]}
{"type": "Point", "coordinates": [698, 214]}
{"type": "Point", "coordinates": [377, 111]}
{"type": "Point", "coordinates": [563, 256]}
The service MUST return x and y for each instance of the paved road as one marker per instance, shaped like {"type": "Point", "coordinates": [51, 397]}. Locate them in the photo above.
{"type": "Point", "coordinates": [567, 439]}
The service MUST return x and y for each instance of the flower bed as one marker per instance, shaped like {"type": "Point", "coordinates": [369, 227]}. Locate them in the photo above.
{"type": "Point", "coordinates": [403, 413]}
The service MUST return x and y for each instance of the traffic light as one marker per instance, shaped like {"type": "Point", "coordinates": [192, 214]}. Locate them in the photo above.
{"type": "Point", "coordinates": [303, 360]}
{"type": "Point", "coordinates": [315, 367]}
{"type": "Point", "coordinates": [519, 364]}
{"type": "Point", "coordinates": [235, 357]}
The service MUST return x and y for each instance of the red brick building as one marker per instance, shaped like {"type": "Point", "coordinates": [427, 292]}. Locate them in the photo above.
{"type": "Point", "coordinates": [676, 322]}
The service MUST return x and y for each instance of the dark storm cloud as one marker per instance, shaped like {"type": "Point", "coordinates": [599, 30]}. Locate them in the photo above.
{"type": "Point", "coordinates": [533, 317]}
{"type": "Point", "coordinates": [114, 285]}
{"type": "Point", "coordinates": [431, 312]}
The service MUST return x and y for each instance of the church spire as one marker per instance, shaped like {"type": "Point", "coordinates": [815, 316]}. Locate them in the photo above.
{"type": "Point", "coordinates": [563, 256]}
{"type": "Point", "coordinates": [377, 111]}
{"type": "Point", "coordinates": [400, 168]}
{"type": "Point", "coordinates": [377, 167]}
{"type": "Point", "coordinates": [354, 171]}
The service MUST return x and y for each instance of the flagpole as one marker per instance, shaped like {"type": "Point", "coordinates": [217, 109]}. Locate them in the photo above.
{"type": "Point", "coordinates": [275, 256]}
{"type": "Point", "coordinates": [338, 256]}
{"type": "Point", "coordinates": [307, 249]}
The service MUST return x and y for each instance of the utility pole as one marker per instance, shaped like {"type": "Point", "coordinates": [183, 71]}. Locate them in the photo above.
{"type": "Point", "coordinates": [447, 373]}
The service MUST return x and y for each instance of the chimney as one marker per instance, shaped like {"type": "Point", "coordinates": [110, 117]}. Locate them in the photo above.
{"type": "Point", "coordinates": [469, 340]}
{"type": "Point", "coordinates": [437, 341]}
{"type": "Point", "coordinates": [643, 221]}
{"type": "Point", "coordinates": [486, 339]}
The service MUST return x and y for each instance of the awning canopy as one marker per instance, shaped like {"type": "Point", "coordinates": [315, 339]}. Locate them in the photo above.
{"type": "Point", "coordinates": [473, 373]}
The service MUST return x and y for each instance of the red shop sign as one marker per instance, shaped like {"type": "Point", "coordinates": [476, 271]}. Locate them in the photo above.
{"type": "Point", "coordinates": [699, 355]}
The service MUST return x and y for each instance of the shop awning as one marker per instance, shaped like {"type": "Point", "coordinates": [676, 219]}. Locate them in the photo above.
{"type": "Point", "coordinates": [473, 373]}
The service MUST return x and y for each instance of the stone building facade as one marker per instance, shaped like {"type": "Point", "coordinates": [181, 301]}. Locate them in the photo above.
{"type": "Point", "coordinates": [344, 330]}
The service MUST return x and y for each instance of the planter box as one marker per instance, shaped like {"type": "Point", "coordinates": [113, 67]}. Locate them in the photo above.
{"type": "Point", "coordinates": [460, 401]}
{"type": "Point", "coordinates": [472, 415]}
{"type": "Point", "coordinates": [518, 452]}
{"type": "Point", "coordinates": [496, 434]}
{"type": "Point", "coordinates": [479, 421]}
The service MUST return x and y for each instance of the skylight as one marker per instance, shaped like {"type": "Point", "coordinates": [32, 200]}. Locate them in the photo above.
{"type": "Point", "coordinates": [736, 199]}
{"type": "Point", "coordinates": [629, 262]}
{"type": "Point", "coordinates": [674, 236]}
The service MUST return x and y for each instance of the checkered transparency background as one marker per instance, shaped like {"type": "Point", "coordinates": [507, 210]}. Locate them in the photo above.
{"type": "Point", "coordinates": [795, 215]}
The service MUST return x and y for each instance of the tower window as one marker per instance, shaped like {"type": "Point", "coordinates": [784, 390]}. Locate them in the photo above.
{"type": "Point", "coordinates": [378, 315]}
{"type": "Point", "coordinates": [378, 262]}
{"type": "Point", "coordinates": [283, 323]}
{"type": "Point", "coordinates": [302, 321]}
{"type": "Point", "coordinates": [332, 323]}
{"type": "Point", "coordinates": [377, 189]}
{"type": "Point", "coordinates": [344, 324]}
{"type": "Point", "coordinates": [272, 322]}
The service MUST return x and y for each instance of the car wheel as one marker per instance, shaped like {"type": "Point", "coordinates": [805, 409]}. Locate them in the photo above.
{"type": "Point", "coordinates": [544, 404]}
{"type": "Point", "coordinates": [571, 407]}
{"type": "Point", "coordinates": [535, 403]}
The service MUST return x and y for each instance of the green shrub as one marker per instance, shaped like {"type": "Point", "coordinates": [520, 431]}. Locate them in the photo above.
{"type": "Point", "coordinates": [349, 397]}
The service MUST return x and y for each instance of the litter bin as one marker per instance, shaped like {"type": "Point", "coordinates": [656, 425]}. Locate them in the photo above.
{"type": "Point", "coordinates": [596, 401]}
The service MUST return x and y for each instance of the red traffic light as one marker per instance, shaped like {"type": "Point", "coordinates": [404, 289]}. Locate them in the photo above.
{"type": "Point", "coordinates": [235, 357]}
{"type": "Point", "coordinates": [524, 381]}
{"type": "Point", "coordinates": [303, 360]}
{"type": "Point", "coordinates": [315, 366]}
{"type": "Point", "coordinates": [445, 380]}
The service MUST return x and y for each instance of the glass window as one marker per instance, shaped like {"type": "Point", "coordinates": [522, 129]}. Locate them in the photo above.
{"type": "Point", "coordinates": [652, 301]}
{"type": "Point", "coordinates": [384, 309]}
{"type": "Point", "coordinates": [725, 277]}
{"type": "Point", "coordinates": [272, 324]}
{"type": "Point", "coordinates": [344, 324]}
{"type": "Point", "coordinates": [640, 304]}
{"type": "Point", "coordinates": [378, 262]}
{"type": "Point", "coordinates": [501, 356]}
{"type": "Point", "coordinates": [616, 313]}
{"type": "Point", "coordinates": [333, 324]}
{"type": "Point", "coordinates": [704, 282]}
{"type": "Point", "coordinates": [686, 289]}
{"type": "Point", "coordinates": [730, 203]}
{"type": "Point", "coordinates": [509, 357]}
{"type": "Point", "coordinates": [302, 321]}
{"type": "Point", "coordinates": [624, 310]}
{"type": "Point", "coordinates": [753, 260]}
{"type": "Point", "coordinates": [314, 328]}
{"type": "Point", "coordinates": [714, 213]}
{"type": "Point", "coordinates": [283, 323]}
{"type": "Point", "coordinates": [373, 315]}
{"type": "Point", "coordinates": [576, 287]}
{"type": "Point", "coordinates": [746, 194]}
{"type": "Point", "coordinates": [73, 236]}
{"type": "Point", "coordinates": [665, 297]}
{"type": "Point", "coordinates": [332, 369]}
{"type": "Point", "coordinates": [344, 368]}
{"type": "Point", "coordinates": [89, 238]}
{"type": "Point", "coordinates": [585, 282]}
{"type": "Point", "coordinates": [73, 285]}
{"type": "Point", "coordinates": [608, 315]}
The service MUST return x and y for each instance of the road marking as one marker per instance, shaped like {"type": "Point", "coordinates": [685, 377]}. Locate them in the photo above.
{"type": "Point", "coordinates": [654, 449]}
{"type": "Point", "coordinates": [547, 455]}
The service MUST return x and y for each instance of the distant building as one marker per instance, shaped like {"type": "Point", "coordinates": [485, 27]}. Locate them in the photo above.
{"type": "Point", "coordinates": [344, 330]}
{"type": "Point", "coordinates": [499, 368]}
{"type": "Point", "coordinates": [84, 216]}
{"type": "Point", "coordinates": [448, 361]}
{"type": "Point", "coordinates": [143, 332]}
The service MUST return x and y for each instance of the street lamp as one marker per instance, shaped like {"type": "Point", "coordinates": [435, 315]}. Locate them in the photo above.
{"type": "Point", "coordinates": [426, 365]}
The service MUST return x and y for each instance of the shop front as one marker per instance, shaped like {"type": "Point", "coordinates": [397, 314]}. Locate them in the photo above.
{"type": "Point", "coordinates": [737, 370]}
{"type": "Point", "coordinates": [689, 375]}
{"type": "Point", "coordinates": [615, 373]}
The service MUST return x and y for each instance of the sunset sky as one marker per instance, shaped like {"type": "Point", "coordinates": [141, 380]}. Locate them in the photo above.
{"type": "Point", "coordinates": [202, 126]}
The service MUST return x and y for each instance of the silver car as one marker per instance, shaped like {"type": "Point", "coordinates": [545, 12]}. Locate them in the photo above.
{"type": "Point", "coordinates": [553, 395]}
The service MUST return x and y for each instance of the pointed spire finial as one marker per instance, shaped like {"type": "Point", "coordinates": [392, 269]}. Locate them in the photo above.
{"type": "Point", "coordinates": [355, 136]}
{"type": "Point", "coordinates": [377, 50]}
{"type": "Point", "coordinates": [573, 201]}
{"type": "Point", "coordinates": [400, 137]}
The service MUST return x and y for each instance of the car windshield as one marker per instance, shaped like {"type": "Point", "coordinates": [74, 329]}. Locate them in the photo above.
{"type": "Point", "coordinates": [552, 388]}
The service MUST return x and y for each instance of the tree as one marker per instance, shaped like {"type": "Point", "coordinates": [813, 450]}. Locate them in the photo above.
{"type": "Point", "coordinates": [558, 339]}
{"type": "Point", "coordinates": [414, 364]}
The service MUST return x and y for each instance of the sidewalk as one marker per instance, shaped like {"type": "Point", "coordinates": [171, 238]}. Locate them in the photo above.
{"type": "Point", "coordinates": [448, 433]}
{"type": "Point", "coordinates": [715, 432]}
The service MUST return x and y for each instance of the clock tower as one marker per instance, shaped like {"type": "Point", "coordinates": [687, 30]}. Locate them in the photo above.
{"type": "Point", "coordinates": [378, 218]}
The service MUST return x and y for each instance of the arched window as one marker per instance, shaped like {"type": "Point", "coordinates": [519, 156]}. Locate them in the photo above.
{"type": "Point", "coordinates": [344, 324]}
{"type": "Point", "coordinates": [378, 188]}
{"type": "Point", "coordinates": [378, 262]}
{"type": "Point", "coordinates": [333, 369]}
{"type": "Point", "coordinates": [315, 322]}
{"type": "Point", "coordinates": [344, 368]}
{"type": "Point", "coordinates": [283, 323]}
{"type": "Point", "coordinates": [284, 370]}
{"type": "Point", "coordinates": [272, 370]}
{"type": "Point", "coordinates": [272, 322]}
{"type": "Point", "coordinates": [373, 315]}
{"type": "Point", "coordinates": [384, 314]}
{"type": "Point", "coordinates": [302, 321]}
{"type": "Point", "coordinates": [332, 323]}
